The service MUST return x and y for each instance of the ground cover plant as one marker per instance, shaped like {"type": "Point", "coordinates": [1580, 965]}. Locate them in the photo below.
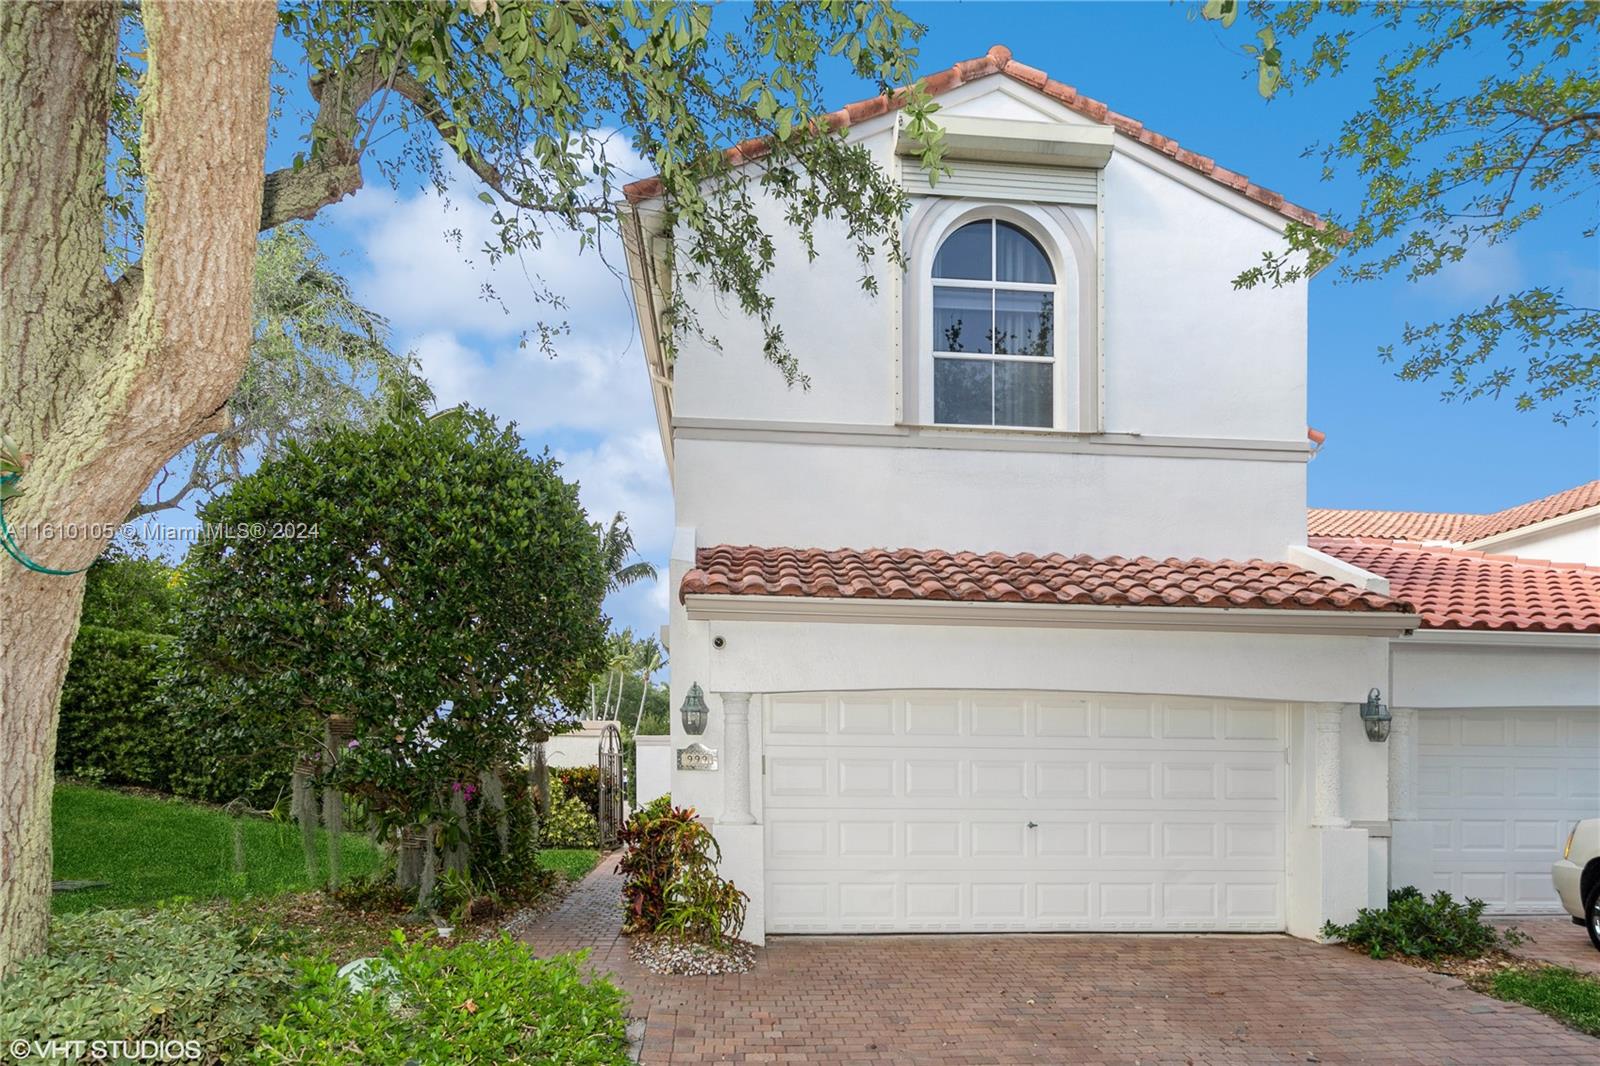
{"type": "Point", "coordinates": [474, 1002]}
{"type": "Point", "coordinates": [1422, 927]}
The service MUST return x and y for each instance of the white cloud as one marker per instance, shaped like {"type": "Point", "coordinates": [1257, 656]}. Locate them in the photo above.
{"type": "Point", "coordinates": [422, 268]}
{"type": "Point", "coordinates": [586, 386]}
{"type": "Point", "coordinates": [626, 472]}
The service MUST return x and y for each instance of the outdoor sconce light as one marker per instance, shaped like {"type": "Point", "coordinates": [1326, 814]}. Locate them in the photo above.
{"type": "Point", "coordinates": [1375, 717]}
{"type": "Point", "coordinates": [694, 711]}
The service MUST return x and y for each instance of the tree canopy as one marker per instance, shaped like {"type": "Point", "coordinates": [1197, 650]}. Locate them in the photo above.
{"type": "Point", "coordinates": [424, 580]}
{"type": "Point", "coordinates": [1482, 118]}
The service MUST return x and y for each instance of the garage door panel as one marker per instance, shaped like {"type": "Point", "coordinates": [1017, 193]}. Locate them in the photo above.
{"type": "Point", "coordinates": [1497, 793]}
{"type": "Point", "coordinates": [995, 812]}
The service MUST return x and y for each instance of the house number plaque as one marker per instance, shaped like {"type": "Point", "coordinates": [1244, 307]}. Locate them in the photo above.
{"type": "Point", "coordinates": [697, 757]}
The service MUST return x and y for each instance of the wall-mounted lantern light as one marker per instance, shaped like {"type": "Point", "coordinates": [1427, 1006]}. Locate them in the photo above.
{"type": "Point", "coordinates": [1375, 717]}
{"type": "Point", "coordinates": [694, 711]}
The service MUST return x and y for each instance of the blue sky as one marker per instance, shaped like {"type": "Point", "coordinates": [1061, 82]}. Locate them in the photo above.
{"type": "Point", "coordinates": [1391, 444]}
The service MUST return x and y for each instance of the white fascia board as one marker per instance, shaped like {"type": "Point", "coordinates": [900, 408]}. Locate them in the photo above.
{"type": "Point", "coordinates": [704, 607]}
{"type": "Point", "coordinates": [1309, 558]}
{"type": "Point", "coordinates": [1533, 530]}
{"type": "Point", "coordinates": [642, 282]}
{"type": "Point", "coordinates": [1004, 140]}
{"type": "Point", "coordinates": [1505, 638]}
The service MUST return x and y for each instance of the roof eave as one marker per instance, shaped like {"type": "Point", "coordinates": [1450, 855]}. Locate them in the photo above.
{"type": "Point", "coordinates": [876, 611]}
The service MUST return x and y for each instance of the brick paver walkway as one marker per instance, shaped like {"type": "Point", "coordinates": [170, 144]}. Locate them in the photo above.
{"type": "Point", "coordinates": [1077, 999]}
{"type": "Point", "coordinates": [1555, 939]}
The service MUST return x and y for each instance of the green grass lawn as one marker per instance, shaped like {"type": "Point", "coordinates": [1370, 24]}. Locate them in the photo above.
{"type": "Point", "coordinates": [157, 849]}
{"type": "Point", "coordinates": [1567, 995]}
{"type": "Point", "coordinates": [572, 862]}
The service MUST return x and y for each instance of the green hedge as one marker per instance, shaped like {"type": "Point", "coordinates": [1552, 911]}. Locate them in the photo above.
{"type": "Point", "coordinates": [122, 723]}
{"type": "Point", "coordinates": [114, 729]}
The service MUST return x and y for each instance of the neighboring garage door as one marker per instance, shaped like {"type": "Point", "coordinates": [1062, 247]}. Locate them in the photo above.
{"type": "Point", "coordinates": [930, 811]}
{"type": "Point", "coordinates": [1498, 790]}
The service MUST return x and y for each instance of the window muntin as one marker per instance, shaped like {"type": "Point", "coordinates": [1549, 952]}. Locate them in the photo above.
{"type": "Point", "coordinates": [994, 300]}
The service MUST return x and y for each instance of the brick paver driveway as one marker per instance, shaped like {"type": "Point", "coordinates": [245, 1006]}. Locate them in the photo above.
{"type": "Point", "coordinates": [1055, 999]}
{"type": "Point", "coordinates": [1554, 939]}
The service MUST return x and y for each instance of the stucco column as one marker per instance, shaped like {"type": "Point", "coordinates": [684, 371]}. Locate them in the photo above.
{"type": "Point", "coordinates": [736, 759]}
{"type": "Point", "coordinates": [1328, 802]}
{"type": "Point", "coordinates": [1402, 764]}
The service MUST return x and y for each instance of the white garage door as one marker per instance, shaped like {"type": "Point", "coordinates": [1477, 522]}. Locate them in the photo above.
{"type": "Point", "coordinates": [927, 811]}
{"type": "Point", "coordinates": [1497, 791]}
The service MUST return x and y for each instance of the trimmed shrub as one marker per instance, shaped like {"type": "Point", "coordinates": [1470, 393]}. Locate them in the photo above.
{"type": "Point", "coordinates": [114, 729]}
{"type": "Point", "coordinates": [582, 783]}
{"type": "Point", "coordinates": [569, 824]}
{"type": "Point", "coordinates": [473, 1002]}
{"type": "Point", "coordinates": [1422, 927]}
{"type": "Point", "coordinates": [122, 723]}
{"type": "Point", "coordinates": [174, 975]}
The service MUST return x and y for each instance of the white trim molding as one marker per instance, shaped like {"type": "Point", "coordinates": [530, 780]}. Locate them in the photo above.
{"type": "Point", "coordinates": [1507, 638]}
{"type": "Point", "coordinates": [1001, 140]}
{"type": "Point", "coordinates": [1511, 536]}
{"type": "Point", "coordinates": [985, 438]}
{"type": "Point", "coordinates": [701, 607]}
{"type": "Point", "coordinates": [1329, 566]}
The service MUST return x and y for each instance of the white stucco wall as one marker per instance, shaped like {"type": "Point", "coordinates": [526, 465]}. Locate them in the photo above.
{"type": "Point", "coordinates": [1185, 358]}
{"type": "Point", "coordinates": [652, 767]}
{"type": "Point", "coordinates": [1487, 670]}
{"type": "Point", "coordinates": [1566, 541]}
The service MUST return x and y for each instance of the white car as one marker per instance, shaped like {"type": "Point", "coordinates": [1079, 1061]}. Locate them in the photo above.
{"type": "Point", "coordinates": [1577, 877]}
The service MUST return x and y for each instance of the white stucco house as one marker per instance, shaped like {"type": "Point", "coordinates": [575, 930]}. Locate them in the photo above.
{"type": "Point", "coordinates": [1012, 620]}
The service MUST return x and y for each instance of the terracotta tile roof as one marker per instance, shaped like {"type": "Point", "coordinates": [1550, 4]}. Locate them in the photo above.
{"type": "Point", "coordinates": [1553, 506]}
{"type": "Point", "coordinates": [998, 61]}
{"type": "Point", "coordinates": [1389, 525]}
{"type": "Point", "coordinates": [1455, 528]}
{"type": "Point", "coordinates": [912, 574]}
{"type": "Point", "coordinates": [1453, 588]}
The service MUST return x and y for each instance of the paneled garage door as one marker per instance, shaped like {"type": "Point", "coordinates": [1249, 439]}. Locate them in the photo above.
{"type": "Point", "coordinates": [927, 811]}
{"type": "Point", "coordinates": [1498, 790]}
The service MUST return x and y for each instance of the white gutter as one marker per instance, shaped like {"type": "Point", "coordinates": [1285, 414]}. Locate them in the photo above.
{"type": "Point", "coordinates": [705, 607]}
{"type": "Point", "coordinates": [1490, 638]}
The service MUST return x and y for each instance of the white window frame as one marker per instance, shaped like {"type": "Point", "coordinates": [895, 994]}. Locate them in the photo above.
{"type": "Point", "coordinates": [1075, 359]}
{"type": "Point", "coordinates": [993, 286]}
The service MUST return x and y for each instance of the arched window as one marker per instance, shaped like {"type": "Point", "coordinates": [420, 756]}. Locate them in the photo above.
{"type": "Point", "coordinates": [994, 329]}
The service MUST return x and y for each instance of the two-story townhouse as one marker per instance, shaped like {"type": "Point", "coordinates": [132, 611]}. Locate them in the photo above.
{"type": "Point", "coordinates": [1010, 621]}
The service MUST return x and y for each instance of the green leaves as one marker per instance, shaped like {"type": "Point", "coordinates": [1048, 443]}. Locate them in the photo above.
{"type": "Point", "coordinates": [1482, 118]}
{"type": "Point", "coordinates": [528, 94]}
{"type": "Point", "coordinates": [448, 602]}
{"type": "Point", "coordinates": [475, 1002]}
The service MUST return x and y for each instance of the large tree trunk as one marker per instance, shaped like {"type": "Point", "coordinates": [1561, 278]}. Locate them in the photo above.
{"type": "Point", "coordinates": [102, 382]}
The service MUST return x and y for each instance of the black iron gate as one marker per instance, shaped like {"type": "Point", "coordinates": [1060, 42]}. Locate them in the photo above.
{"type": "Point", "coordinates": [611, 799]}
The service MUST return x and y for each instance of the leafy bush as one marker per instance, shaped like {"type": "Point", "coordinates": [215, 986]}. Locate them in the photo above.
{"type": "Point", "coordinates": [582, 783]}
{"type": "Point", "coordinates": [474, 1002]}
{"type": "Point", "coordinates": [121, 725]}
{"type": "Point", "coordinates": [569, 824]}
{"type": "Point", "coordinates": [367, 598]}
{"type": "Point", "coordinates": [1422, 927]}
{"type": "Point", "coordinates": [670, 859]}
{"type": "Point", "coordinates": [114, 730]}
{"type": "Point", "coordinates": [173, 975]}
